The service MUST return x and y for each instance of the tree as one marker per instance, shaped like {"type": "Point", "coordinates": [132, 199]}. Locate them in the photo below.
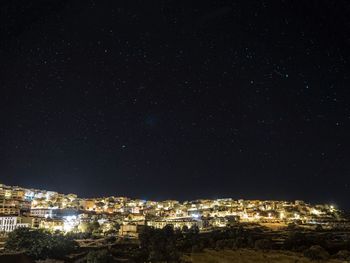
{"type": "Point", "coordinates": [159, 245]}
{"type": "Point", "coordinates": [39, 244]}
{"type": "Point", "coordinates": [185, 229]}
{"type": "Point", "coordinates": [194, 229]}
{"type": "Point", "coordinates": [93, 228]}
{"type": "Point", "coordinates": [116, 227]}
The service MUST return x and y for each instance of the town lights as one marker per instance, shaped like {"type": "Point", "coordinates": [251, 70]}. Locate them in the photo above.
{"type": "Point", "coordinates": [69, 223]}
{"type": "Point", "coordinates": [315, 212]}
{"type": "Point", "coordinates": [195, 216]}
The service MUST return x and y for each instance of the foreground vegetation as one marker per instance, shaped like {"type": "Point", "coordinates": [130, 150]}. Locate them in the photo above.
{"type": "Point", "coordinates": [40, 244]}
{"type": "Point", "coordinates": [238, 243]}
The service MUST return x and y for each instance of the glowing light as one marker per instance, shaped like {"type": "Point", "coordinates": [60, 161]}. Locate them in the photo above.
{"type": "Point", "coordinates": [315, 212]}
{"type": "Point", "coordinates": [70, 222]}
{"type": "Point", "coordinates": [196, 216]}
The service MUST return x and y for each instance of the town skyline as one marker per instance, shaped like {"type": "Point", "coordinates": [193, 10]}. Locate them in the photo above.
{"type": "Point", "coordinates": [233, 197]}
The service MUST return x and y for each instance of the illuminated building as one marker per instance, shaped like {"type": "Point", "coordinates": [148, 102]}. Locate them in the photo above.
{"type": "Point", "coordinates": [10, 223]}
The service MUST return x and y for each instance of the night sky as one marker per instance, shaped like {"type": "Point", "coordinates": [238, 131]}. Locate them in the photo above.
{"type": "Point", "coordinates": [177, 99]}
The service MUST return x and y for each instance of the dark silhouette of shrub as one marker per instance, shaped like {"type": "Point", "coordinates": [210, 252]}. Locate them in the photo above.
{"type": "Point", "coordinates": [99, 256]}
{"type": "Point", "coordinates": [263, 244]}
{"type": "Point", "coordinates": [343, 255]}
{"type": "Point", "coordinates": [316, 253]}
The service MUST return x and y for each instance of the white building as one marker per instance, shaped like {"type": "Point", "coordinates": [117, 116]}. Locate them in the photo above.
{"type": "Point", "coordinates": [10, 223]}
{"type": "Point", "coordinates": [42, 212]}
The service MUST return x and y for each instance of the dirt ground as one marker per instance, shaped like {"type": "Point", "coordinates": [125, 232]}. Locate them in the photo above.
{"type": "Point", "coordinates": [249, 256]}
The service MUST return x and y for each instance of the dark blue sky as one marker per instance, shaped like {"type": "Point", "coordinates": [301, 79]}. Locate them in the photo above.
{"type": "Point", "coordinates": [242, 99]}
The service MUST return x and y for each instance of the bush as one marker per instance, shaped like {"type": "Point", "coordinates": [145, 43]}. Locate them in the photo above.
{"type": "Point", "coordinates": [316, 253]}
{"type": "Point", "coordinates": [296, 240]}
{"type": "Point", "coordinates": [196, 249]}
{"type": "Point", "coordinates": [99, 256]}
{"type": "Point", "coordinates": [220, 244]}
{"type": "Point", "coordinates": [263, 244]}
{"type": "Point", "coordinates": [291, 226]}
{"type": "Point", "coordinates": [343, 255]}
{"type": "Point", "coordinates": [240, 242]}
{"type": "Point", "coordinates": [318, 228]}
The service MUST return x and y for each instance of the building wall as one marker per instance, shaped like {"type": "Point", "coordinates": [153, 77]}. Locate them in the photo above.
{"type": "Point", "coordinates": [41, 212]}
{"type": "Point", "coordinates": [10, 223]}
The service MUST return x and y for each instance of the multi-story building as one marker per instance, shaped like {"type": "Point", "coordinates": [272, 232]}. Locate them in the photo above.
{"type": "Point", "coordinates": [9, 207]}
{"type": "Point", "coordinates": [42, 212]}
{"type": "Point", "coordinates": [10, 223]}
{"type": "Point", "coordinates": [52, 224]}
{"type": "Point", "coordinates": [176, 223]}
{"type": "Point", "coordinates": [130, 230]}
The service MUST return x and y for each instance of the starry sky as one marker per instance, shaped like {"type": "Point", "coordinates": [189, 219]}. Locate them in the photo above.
{"type": "Point", "coordinates": [177, 99]}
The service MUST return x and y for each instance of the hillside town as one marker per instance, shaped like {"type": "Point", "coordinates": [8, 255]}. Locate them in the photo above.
{"type": "Point", "coordinates": [41, 209]}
